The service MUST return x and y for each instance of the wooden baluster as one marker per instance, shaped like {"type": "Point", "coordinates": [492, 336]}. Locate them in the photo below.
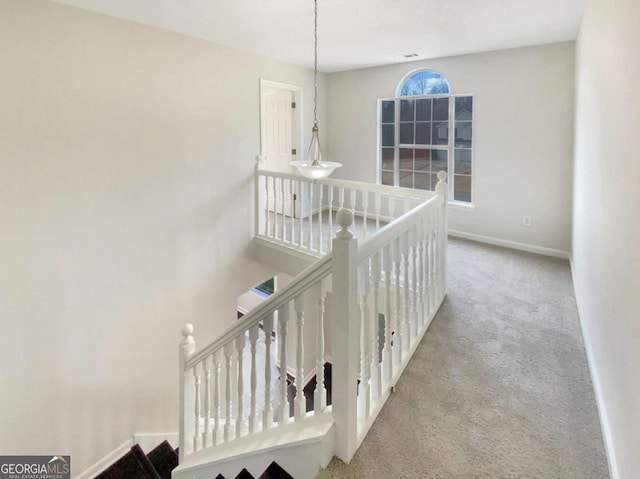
{"type": "Point", "coordinates": [267, 220]}
{"type": "Point", "coordinates": [352, 199]}
{"type": "Point", "coordinates": [197, 408]}
{"type": "Point", "coordinates": [300, 407]}
{"type": "Point", "coordinates": [442, 191]}
{"type": "Point", "coordinates": [364, 388]}
{"type": "Point", "coordinates": [300, 215]}
{"type": "Point", "coordinates": [341, 198]}
{"type": "Point", "coordinates": [404, 245]}
{"type": "Point", "coordinates": [228, 349]}
{"type": "Point", "coordinates": [278, 217]}
{"type": "Point", "coordinates": [267, 413]}
{"type": "Point", "coordinates": [377, 206]}
{"type": "Point", "coordinates": [283, 195]}
{"type": "Point", "coordinates": [294, 198]}
{"type": "Point", "coordinates": [330, 201]}
{"type": "Point", "coordinates": [420, 275]}
{"type": "Point", "coordinates": [432, 272]}
{"type": "Point", "coordinates": [365, 211]}
{"type": "Point", "coordinates": [430, 260]}
{"type": "Point", "coordinates": [311, 188]}
{"type": "Point", "coordinates": [425, 270]}
{"type": "Point", "coordinates": [426, 287]}
{"type": "Point", "coordinates": [387, 363]}
{"type": "Point", "coordinates": [376, 371]}
{"type": "Point", "coordinates": [320, 206]}
{"type": "Point", "coordinates": [398, 340]}
{"type": "Point", "coordinates": [290, 209]}
{"type": "Point", "coordinates": [283, 319]}
{"type": "Point", "coordinates": [216, 395]}
{"type": "Point", "coordinates": [207, 402]}
{"type": "Point", "coordinates": [320, 393]}
{"type": "Point", "coordinates": [276, 223]}
{"type": "Point", "coordinates": [413, 320]}
{"type": "Point", "coordinates": [392, 207]}
{"type": "Point", "coordinates": [253, 415]}
{"type": "Point", "coordinates": [240, 342]}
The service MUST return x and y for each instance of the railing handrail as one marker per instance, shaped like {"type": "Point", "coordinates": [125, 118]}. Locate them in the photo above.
{"type": "Point", "coordinates": [393, 229]}
{"type": "Point", "coordinates": [397, 191]}
{"type": "Point", "coordinates": [300, 284]}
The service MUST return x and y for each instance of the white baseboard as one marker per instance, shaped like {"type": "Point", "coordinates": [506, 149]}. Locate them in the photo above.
{"type": "Point", "coordinates": [146, 440]}
{"type": "Point", "coordinates": [605, 426]}
{"type": "Point", "coordinates": [530, 248]}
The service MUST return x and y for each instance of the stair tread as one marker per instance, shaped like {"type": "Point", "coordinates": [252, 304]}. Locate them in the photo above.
{"type": "Point", "coordinates": [144, 462]}
{"type": "Point", "coordinates": [244, 474]}
{"type": "Point", "coordinates": [164, 459]}
{"type": "Point", "coordinates": [127, 467]}
{"type": "Point", "coordinates": [275, 471]}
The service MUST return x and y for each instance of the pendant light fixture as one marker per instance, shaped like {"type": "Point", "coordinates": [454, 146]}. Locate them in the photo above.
{"type": "Point", "coordinates": [313, 166]}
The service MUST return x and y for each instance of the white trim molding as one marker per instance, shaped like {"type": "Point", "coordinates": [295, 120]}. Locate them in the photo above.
{"type": "Point", "coordinates": [529, 248]}
{"type": "Point", "coordinates": [605, 425]}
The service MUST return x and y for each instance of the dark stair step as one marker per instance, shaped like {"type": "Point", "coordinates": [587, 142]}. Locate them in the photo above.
{"type": "Point", "coordinates": [133, 465]}
{"type": "Point", "coordinates": [274, 471]}
{"type": "Point", "coordinates": [244, 474]}
{"type": "Point", "coordinates": [164, 459]}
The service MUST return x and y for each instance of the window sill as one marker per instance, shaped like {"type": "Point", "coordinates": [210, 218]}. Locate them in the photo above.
{"type": "Point", "coordinates": [460, 206]}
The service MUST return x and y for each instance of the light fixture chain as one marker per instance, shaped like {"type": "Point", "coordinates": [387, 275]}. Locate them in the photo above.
{"type": "Point", "coordinates": [315, 63]}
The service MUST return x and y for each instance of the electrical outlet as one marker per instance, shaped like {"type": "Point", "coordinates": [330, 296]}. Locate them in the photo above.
{"type": "Point", "coordinates": [526, 220]}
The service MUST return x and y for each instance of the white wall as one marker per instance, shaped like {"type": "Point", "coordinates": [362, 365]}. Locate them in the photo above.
{"type": "Point", "coordinates": [126, 185]}
{"type": "Point", "coordinates": [606, 219]}
{"type": "Point", "coordinates": [523, 136]}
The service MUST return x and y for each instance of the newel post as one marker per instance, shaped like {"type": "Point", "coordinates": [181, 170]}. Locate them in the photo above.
{"type": "Point", "coordinates": [260, 197]}
{"type": "Point", "coordinates": [345, 337]}
{"type": "Point", "coordinates": [186, 389]}
{"type": "Point", "coordinates": [442, 190]}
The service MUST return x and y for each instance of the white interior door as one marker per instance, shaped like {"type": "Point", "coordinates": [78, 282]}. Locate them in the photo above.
{"type": "Point", "coordinates": [278, 141]}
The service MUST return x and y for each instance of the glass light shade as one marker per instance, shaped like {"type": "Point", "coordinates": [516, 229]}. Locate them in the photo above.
{"type": "Point", "coordinates": [316, 172]}
{"type": "Point", "coordinates": [314, 167]}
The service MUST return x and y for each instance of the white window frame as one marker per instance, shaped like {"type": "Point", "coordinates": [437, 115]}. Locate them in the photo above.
{"type": "Point", "coordinates": [450, 147]}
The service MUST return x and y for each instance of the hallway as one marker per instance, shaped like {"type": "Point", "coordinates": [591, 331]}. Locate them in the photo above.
{"type": "Point", "coordinates": [499, 386]}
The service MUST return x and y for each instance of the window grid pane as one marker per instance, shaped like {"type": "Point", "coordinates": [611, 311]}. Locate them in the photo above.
{"type": "Point", "coordinates": [421, 124]}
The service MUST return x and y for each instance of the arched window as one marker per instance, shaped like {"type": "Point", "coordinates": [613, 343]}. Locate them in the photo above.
{"type": "Point", "coordinates": [424, 82]}
{"type": "Point", "coordinates": [414, 135]}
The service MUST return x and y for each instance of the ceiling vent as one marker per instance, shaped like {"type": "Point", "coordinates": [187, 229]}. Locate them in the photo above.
{"type": "Point", "coordinates": [410, 55]}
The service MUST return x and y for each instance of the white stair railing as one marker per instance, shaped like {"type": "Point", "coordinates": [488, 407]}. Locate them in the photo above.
{"type": "Point", "coordinates": [298, 212]}
{"type": "Point", "coordinates": [384, 294]}
{"type": "Point", "coordinates": [220, 399]}
{"type": "Point", "coordinates": [400, 286]}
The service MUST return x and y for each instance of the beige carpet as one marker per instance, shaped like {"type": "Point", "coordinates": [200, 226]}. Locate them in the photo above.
{"type": "Point", "coordinates": [499, 386]}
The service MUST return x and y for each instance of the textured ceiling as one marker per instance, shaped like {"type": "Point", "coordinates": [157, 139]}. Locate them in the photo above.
{"type": "Point", "coordinates": [356, 33]}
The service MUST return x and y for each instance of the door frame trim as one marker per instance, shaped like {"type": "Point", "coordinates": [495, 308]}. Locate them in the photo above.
{"type": "Point", "coordinates": [298, 133]}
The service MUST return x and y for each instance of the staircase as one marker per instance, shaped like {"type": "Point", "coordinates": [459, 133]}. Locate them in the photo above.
{"type": "Point", "coordinates": [162, 460]}
{"type": "Point", "coordinates": [158, 464]}
{"type": "Point", "coordinates": [255, 399]}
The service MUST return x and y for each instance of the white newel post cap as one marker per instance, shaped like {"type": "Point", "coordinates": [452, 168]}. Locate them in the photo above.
{"type": "Point", "coordinates": [441, 187]}
{"type": "Point", "coordinates": [344, 217]}
{"type": "Point", "coordinates": [187, 335]}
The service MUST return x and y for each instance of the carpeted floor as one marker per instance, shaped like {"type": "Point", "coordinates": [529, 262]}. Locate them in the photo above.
{"type": "Point", "coordinates": [499, 386]}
